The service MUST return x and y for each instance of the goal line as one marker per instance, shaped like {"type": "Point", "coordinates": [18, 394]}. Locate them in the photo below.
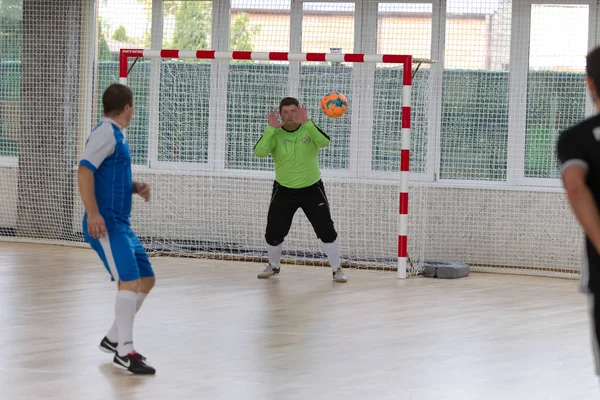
{"type": "Point", "coordinates": [407, 61]}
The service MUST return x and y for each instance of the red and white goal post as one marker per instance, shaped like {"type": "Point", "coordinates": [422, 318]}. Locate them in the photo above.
{"type": "Point", "coordinates": [406, 60]}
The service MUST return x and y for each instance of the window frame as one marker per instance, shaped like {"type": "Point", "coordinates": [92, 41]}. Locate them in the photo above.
{"type": "Point", "coordinates": [360, 143]}
{"type": "Point", "coordinates": [519, 69]}
{"type": "Point", "coordinates": [156, 40]}
{"type": "Point", "coordinates": [369, 45]}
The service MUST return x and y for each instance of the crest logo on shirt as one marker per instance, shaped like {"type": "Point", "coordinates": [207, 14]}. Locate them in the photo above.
{"type": "Point", "coordinates": [306, 140]}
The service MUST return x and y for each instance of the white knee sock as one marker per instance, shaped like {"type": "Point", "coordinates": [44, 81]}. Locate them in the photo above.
{"type": "Point", "coordinates": [112, 333]}
{"type": "Point", "coordinates": [124, 315]}
{"type": "Point", "coordinates": [333, 253]}
{"type": "Point", "coordinates": [275, 254]}
{"type": "Point", "coordinates": [140, 299]}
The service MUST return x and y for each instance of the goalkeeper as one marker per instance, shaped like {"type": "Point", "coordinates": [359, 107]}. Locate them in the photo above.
{"type": "Point", "coordinates": [294, 144]}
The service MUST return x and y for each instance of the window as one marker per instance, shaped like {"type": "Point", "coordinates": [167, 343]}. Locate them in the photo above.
{"type": "Point", "coordinates": [555, 86]}
{"type": "Point", "coordinates": [185, 87]}
{"type": "Point", "coordinates": [254, 88]}
{"type": "Point", "coordinates": [475, 97]}
{"type": "Point", "coordinates": [402, 28]}
{"type": "Point", "coordinates": [11, 36]}
{"type": "Point", "coordinates": [213, 112]}
{"type": "Point", "coordinates": [328, 28]}
{"type": "Point", "coordinates": [125, 24]}
{"type": "Point", "coordinates": [317, 80]}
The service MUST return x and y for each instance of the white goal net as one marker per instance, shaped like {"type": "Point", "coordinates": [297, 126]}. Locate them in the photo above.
{"type": "Point", "coordinates": [212, 197]}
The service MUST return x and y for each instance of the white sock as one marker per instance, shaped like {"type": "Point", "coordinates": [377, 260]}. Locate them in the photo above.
{"type": "Point", "coordinates": [112, 333]}
{"type": "Point", "coordinates": [275, 254]}
{"type": "Point", "coordinates": [140, 299]}
{"type": "Point", "coordinates": [124, 315]}
{"type": "Point", "coordinates": [333, 253]}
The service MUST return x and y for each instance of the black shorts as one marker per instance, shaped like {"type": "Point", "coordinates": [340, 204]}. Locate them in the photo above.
{"type": "Point", "coordinates": [595, 317]}
{"type": "Point", "coordinates": [590, 270]}
{"type": "Point", "coordinates": [589, 283]}
{"type": "Point", "coordinates": [284, 204]}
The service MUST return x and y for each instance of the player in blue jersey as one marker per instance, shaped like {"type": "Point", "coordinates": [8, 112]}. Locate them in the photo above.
{"type": "Point", "coordinates": [106, 189]}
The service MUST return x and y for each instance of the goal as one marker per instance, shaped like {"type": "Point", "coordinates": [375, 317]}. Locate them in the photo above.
{"type": "Point", "coordinates": [205, 110]}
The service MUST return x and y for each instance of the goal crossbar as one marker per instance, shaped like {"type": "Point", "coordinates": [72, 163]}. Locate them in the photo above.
{"type": "Point", "coordinates": [406, 60]}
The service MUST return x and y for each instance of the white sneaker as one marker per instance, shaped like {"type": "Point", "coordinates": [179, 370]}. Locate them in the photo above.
{"type": "Point", "coordinates": [268, 272]}
{"type": "Point", "coordinates": [339, 276]}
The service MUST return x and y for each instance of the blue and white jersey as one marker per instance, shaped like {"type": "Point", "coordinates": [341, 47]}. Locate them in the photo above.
{"type": "Point", "coordinates": [107, 155]}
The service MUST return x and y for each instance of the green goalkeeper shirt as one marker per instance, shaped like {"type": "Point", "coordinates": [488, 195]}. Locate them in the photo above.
{"type": "Point", "coordinates": [295, 154]}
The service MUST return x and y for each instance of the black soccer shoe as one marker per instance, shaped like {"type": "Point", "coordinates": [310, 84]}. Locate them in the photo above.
{"type": "Point", "coordinates": [107, 346]}
{"type": "Point", "coordinates": [134, 363]}
{"type": "Point", "coordinates": [111, 347]}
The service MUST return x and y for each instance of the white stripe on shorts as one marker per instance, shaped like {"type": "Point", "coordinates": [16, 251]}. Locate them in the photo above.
{"type": "Point", "coordinates": [105, 243]}
{"type": "Point", "coordinates": [584, 278]}
{"type": "Point", "coordinates": [595, 345]}
{"type": "Point", "coordinates": [584, 282]}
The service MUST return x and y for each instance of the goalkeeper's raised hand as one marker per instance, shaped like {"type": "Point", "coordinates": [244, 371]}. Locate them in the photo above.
{"type": "Point", "coordinates": [301, 116]}
{"type": "Point", "coordinates": [274, 119]}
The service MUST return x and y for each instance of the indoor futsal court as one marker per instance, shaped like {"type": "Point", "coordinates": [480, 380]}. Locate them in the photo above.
{"type": "Point", "coordinates": [214, 331]}
{"type": "Point", "coordinates": [296, 199]}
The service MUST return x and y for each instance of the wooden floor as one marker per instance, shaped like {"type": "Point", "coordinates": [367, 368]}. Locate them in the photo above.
{"type": "Point", "coordinates": [214, 331]}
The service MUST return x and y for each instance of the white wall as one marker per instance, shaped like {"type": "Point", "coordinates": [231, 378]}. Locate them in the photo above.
{"type": "Point", "coordinates": [486, 227]}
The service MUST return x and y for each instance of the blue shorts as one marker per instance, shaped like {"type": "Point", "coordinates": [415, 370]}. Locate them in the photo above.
{"type": "Point", "coordinates": [122, 253]}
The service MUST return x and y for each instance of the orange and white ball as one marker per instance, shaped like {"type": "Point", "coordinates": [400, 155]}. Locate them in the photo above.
{"type": "Point", "coordinates": [334, 104]}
